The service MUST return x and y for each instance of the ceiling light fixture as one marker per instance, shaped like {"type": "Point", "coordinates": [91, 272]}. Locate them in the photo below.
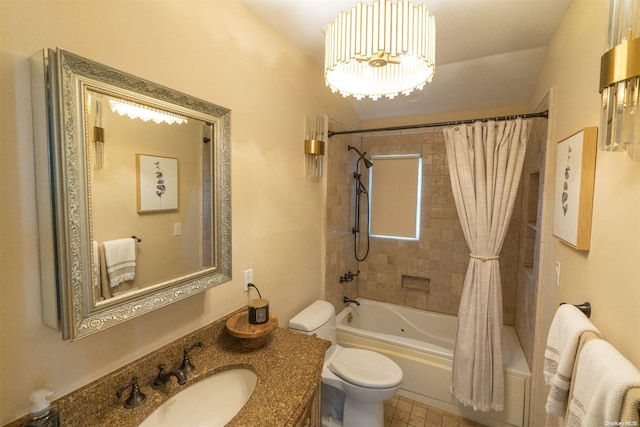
{"type": "Point", "coordinates": [380, 49]}
{"type": "Point", "coordinates": [144, 113]}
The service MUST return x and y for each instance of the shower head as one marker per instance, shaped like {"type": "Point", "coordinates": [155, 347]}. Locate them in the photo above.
{"type": "Point", "coordinates": [367, 163]}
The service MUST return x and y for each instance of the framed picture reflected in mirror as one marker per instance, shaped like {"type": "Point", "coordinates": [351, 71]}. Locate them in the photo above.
{"type": "Point", "coordinates": [157, 183]}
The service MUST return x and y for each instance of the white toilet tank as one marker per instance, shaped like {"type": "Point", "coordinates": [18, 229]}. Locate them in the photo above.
{"type": "Point", "coordinates": [317, 319]}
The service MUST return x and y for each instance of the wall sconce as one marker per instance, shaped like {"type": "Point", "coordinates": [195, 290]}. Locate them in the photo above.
{"type": "Point", "coordinates": [98, 136]}
{"type": "Point", "coordinates": [316, 132]}
{"type": "Point", "coordinates": [620, 81]}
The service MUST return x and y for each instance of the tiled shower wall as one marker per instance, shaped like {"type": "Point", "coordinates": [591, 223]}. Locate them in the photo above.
{"type": "Point", "coordinates": [426, 274]}
{"type": "Point", "coordinates": [338, 199]}
{"type": "Point", "coordinates": [527, 288]}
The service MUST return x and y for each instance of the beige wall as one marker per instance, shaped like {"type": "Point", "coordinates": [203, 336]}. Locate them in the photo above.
{"type": "Point", "coordinates": [607, 275]}
{"type": "Point", "coordinates": [220, 52]}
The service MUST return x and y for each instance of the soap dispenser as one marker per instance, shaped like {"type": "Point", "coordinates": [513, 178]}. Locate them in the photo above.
{"type": "Point", "coordinates": [41, 414]}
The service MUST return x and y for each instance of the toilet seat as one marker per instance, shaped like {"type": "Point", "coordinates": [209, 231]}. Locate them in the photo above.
{"type": "Point", "coordinates": [366, 368]}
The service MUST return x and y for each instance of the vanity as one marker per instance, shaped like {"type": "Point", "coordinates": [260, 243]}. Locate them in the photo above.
{"type": "Point", "coordinates": [287, 392]}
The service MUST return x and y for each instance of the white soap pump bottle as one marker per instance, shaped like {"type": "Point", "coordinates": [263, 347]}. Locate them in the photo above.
{"type": "Point", "coordinates": [40, 413]}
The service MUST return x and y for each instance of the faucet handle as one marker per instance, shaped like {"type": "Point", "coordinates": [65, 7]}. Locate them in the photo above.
{"type": "Point", "coordinates": [187, 367]}
{"type": "Point", "coordinates": [136, 398]}
{"type": "Point", "coordinates": [159, 381]}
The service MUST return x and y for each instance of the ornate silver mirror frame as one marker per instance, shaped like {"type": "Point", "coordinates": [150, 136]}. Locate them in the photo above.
{"type": "Point", "coordinates": [59, 83]}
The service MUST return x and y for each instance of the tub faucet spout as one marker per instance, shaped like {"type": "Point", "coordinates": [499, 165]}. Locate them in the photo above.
{"type": "Point", "coordinates": [347, 300]}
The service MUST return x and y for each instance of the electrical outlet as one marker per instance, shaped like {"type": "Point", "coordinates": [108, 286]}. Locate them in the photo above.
{"type": "Point", "coordinates": [248, 278]}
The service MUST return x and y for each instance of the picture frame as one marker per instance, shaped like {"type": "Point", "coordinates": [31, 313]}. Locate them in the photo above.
{"type": "Point", "coordinates": [157, 183]}
{"type": "Point", "coordinates": [575, 177]}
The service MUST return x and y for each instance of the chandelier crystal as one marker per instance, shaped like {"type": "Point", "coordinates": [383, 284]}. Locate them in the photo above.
{"type": "Point", "coordinates": [380, 49]}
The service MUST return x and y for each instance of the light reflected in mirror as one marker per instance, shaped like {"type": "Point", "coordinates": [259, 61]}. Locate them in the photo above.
{"type": "Point", "coordinates": [149, 177]}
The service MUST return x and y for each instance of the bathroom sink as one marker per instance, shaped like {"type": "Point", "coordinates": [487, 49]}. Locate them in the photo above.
{"type": "Point", "coordinates": [211, 402]}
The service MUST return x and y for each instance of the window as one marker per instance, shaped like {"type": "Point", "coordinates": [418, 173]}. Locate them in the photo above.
{"type": "Point", "coordinates": [395, 183]}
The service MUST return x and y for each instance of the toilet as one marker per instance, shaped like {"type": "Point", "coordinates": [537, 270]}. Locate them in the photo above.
{"type": "Point", "coordinates": [364, 378]}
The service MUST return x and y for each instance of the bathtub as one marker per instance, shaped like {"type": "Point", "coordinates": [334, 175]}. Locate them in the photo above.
{"type": "Point", "coordinates": [421, 342]}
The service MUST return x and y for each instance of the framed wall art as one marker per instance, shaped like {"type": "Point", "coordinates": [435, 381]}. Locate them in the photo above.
{"type": "Point", "coordinates": [575, 175]}
{"type": "Point", "coordinates": [157, 181]}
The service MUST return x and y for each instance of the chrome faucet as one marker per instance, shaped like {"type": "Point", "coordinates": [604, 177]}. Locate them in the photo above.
{"type": "Point", "coordinates": [347, 300]}
{"type": "Point", "coordinates": [163, 377]}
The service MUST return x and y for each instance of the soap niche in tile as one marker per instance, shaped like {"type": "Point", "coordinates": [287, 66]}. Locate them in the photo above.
{"type": "Point", "coordinates": [415, 283]}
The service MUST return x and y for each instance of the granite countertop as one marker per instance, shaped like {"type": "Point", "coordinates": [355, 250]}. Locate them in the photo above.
{"type": "Point", "coordinates": [288, 367]}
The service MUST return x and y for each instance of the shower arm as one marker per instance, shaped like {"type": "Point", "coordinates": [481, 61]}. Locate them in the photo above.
{"type": "Point", "coordinates": [368, 163]}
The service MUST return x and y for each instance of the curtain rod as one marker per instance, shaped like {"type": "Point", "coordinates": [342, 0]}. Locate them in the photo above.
{"type": "Point", "coordinates": [544, 114]}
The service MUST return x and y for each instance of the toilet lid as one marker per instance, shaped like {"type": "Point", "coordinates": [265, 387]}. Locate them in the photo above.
{"type": "Point", "coordinates": [366, 368]}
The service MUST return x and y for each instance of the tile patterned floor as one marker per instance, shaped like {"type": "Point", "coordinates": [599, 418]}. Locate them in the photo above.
{"type": "Point", "coordinates": [400, 411]}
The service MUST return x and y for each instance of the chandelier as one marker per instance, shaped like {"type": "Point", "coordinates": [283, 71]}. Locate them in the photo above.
{"type": "Point", "coordinates": [380, 49]}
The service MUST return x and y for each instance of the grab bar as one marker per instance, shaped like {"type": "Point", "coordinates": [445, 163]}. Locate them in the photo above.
{"type": "Point", "coordinates": [585, 307]}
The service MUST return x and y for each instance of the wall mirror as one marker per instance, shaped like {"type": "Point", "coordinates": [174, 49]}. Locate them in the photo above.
{"type": "Point", "coordinates": [133, 193]}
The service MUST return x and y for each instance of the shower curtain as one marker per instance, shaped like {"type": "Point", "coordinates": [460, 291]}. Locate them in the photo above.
{"type": "Point", "coordinates": [485, 163]}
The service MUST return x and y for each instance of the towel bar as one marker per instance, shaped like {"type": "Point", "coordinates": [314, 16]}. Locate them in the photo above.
{"type": "Point", "coordinates": [136, 239]}
{"type": "Point", "coordinates": [585, 307]}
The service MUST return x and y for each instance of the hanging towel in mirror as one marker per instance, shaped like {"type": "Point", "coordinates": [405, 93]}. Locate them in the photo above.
{"type": "Point", "coordinates": [95, 267]}
{"type": "Point", "coordinates": [105, 287]}
{"type": "Point", "coordinates": [120, 257]}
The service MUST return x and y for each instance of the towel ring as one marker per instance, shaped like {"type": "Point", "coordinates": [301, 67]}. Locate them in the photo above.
{"type": "Point", "coordinates": [585, 307]}
{"type": "Point", "coordinates": [136, 239]}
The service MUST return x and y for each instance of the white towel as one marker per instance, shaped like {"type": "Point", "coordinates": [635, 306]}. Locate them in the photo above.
{"type": "Point", "coordinates": [559, 356]}
{"type": "Point", "coordinates": [120, 258]}
{"type": "Point", "coordinates": [602, 379]}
